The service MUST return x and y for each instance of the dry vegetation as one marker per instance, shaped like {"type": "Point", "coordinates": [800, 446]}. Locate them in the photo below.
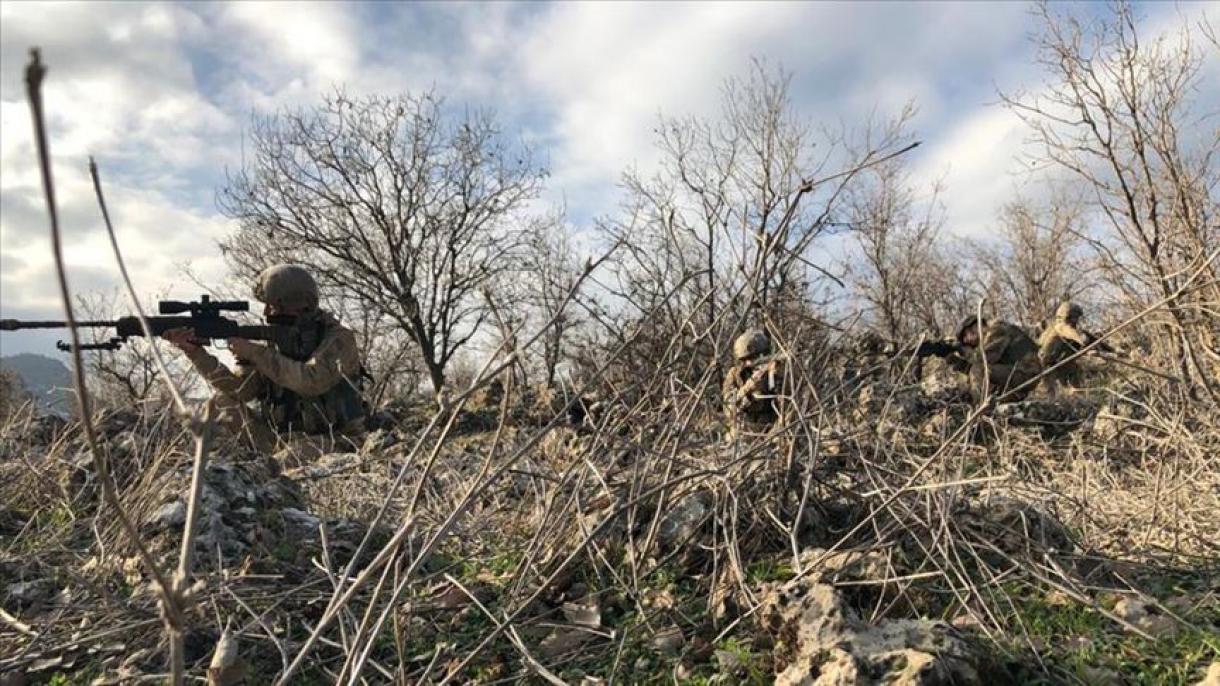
{"type": "Point", "coordinates": [887, 528]}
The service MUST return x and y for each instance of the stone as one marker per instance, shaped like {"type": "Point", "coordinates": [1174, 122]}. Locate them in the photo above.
{"type": "Point", "coordinates": [28, 594]}
{"type": "Point", "coordinates": [1016, 527]}
{"type": "Point", "coordinates": [668, 640]}
{"type": "Point", "coordinates": [168, 516]}
{"type": "Point", "coordinates": [330, 464]}
{"type": "Point", "coordinates": [939, 379]}
{"type": "Point", "coordinates": [1052, 416]}
{"type": "Point", "coordinates": [1147, 617]}
{"type": "Point", "coordinates": [823, 641]}
{"type": "Point", "coordinates": [684, 518]}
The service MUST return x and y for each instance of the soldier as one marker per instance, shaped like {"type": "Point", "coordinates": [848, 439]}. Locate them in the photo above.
{"type": "Point", "coordinates": [999, 357]}
{"type": "Point", "coordinates": [306, 387]}
{"type": "Point", "coordinates": [1061, 339]}
{"type": "Point", "coordinates": [752, 384]}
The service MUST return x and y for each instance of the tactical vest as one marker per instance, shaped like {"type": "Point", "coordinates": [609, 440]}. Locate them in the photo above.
{"type": "Point", "coordinates": [288, 411]}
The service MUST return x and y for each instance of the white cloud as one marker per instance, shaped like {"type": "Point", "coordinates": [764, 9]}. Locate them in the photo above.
{"type": "Point", "coordinates": [161, 93]}
{"type": "Point", "coordinates": [979, 165]}
{"type": "Point", "coordinates": [295, 49]}
{"type": "Point", "coordinates": [983, 156]}
{"type": "Point", "coordinates": [121, 86]}
{"type": "Point", "coordinates": [608, 69]}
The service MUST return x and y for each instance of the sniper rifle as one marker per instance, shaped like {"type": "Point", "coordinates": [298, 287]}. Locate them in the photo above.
{"type": "Point", "coordinates": [204, 322]}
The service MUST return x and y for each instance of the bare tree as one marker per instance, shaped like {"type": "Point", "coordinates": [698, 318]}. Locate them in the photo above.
{"type": "Point", "coordinates": [394, 201]}
{"type": "Point", "coordinates": [1035, 263]}
{"type": "Point", "coordinates": [903, 274]}
{"type": "Point", "coordinates": [723, 233]}
{"type": "Point", "coordinates": [551, 270]}
{"type": "Point", "coordinates": [120, 377]}
{"type": "Point", "coordinates": [1117, 116]}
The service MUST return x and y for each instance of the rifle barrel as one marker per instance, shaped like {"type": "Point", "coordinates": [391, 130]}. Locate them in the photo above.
{"type": "Point", "coordinates": [16, 324]}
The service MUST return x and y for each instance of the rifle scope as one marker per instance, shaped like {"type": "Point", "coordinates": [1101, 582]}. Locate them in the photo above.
{"type": "Point", "coordinates": [205, 306]}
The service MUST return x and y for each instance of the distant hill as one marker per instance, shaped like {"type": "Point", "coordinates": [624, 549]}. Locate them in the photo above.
{"type": "Point", "coordinates": [46, 378]}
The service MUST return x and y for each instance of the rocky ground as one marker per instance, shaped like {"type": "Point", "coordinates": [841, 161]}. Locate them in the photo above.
{"type": "Point", "coordinates": [1071, 541]}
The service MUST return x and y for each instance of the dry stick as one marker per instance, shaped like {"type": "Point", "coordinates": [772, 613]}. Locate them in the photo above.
{"type": "Point", "coordinates": [34, 74]}
{"type": "Point", "coordinates": [589, 538]}
{"type": "Point", "coordinates": [17, 624]}
{"type": "Point", "coordinates": [1140, 368]}
{"type": "Point", "coordinates": [483, 378]}
{"type": "Point", "coordinates": [514, 638]}
{"type": "Point", "coordinates": [131, 291]}
{"type": "Point", "coordinates": [400, 585]}
{"type": "Point", "coordinates": [481, 483]}
{"type": "Point", "coordinates": [279, 645]}
{"type": "Point", "coordinates": [200, 428]}
{"type": "Point", "coordinates": [585, 542]}
{"type": "Point", "coordinates": [970, 420]}
{"type": "Point", "coordinates": [807, 186]}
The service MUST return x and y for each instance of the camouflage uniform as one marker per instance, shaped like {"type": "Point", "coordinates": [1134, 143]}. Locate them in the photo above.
{"type": "Point", "coordinates": [307, 386]}
{"type": "Point", "coordinates": [1004, 359]}
{"type": "Point", "coordinates": [1060, 340]}
{"type": "Point", "coordinates": [752, 384]}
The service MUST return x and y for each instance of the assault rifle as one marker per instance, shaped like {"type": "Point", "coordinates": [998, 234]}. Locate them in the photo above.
{"type": "Point", "coordinates": [941, 348]}
{"type": "Point", "coordinates": [1090, 339]}
{"type": "Point", "coordinates": [204, 321]}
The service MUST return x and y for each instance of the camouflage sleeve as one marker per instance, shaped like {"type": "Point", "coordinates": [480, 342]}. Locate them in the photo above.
{"type": "Point", "coordinates": [729, 390]}
{"type": "Point", "coordinates": [1071, 333]}
{"type": "Point", "coordinates": [336, 358]}
{"type": "Point", "coordinates": [760, 381]}
{"type": "Point", "coordinates": [245, 385]}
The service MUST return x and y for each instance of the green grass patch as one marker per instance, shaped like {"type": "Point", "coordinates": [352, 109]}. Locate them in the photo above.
{"type": "Point", "coordinates": [1078, 641]}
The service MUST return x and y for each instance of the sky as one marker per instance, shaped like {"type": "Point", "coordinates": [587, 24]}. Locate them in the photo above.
{"type": "Point", "coordinates": [162, 96]}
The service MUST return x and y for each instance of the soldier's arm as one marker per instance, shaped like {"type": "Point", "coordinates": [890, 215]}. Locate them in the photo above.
{"type": "Point", "coordinates": [760, 375]}
{"type": "Point", "coordinates": [245, 385]}
{"type": "Point", "coordinates": [1073, 334]}
{"type": "Point", "coordinates": [334, 360]}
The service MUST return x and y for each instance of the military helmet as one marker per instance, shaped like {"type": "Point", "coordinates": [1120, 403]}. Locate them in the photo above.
{"type": "Point", "coordinates": [971, 322]}
{"type": "Point", "coordinates": [1068, 312]}
{"type": "Point", "coordinates": [750, 344]}
{"type": "Point", "coordinates": [287, 285]}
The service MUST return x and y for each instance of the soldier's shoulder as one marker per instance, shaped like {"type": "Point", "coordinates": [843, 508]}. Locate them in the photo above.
{"type": "Point", "coordinates": [339, 334]}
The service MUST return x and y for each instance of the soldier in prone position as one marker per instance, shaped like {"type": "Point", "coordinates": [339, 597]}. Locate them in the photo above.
{"type": "Point", "coordinates": [752, 384]}
{"type": "Point", "coordinates": [307, 387]}
{"type": "Point", "coordinates": [1000, 358]}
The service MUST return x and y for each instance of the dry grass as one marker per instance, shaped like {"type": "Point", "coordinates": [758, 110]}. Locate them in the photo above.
{"type": "Point", "coordinates": [535, 521]}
